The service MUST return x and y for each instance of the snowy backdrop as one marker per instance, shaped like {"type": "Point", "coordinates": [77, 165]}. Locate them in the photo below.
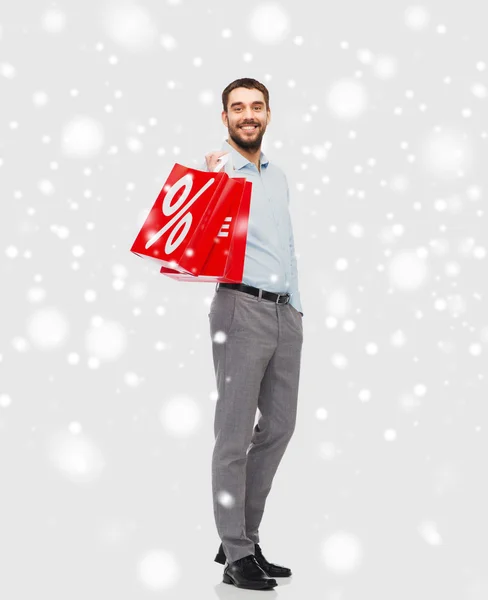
{"type": "Point", "coordinates": [107, 388]}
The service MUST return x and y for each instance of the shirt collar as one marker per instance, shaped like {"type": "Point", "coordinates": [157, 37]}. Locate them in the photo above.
{"type": "Point", "coordinates": [239, 160]}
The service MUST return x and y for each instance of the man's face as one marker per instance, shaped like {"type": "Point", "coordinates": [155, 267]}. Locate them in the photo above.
{"type": "Point", "coordinates": [246, 107]}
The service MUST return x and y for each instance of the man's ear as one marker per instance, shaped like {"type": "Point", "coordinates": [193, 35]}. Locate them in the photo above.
{"type": "Point", "coordinates": [224, 118]}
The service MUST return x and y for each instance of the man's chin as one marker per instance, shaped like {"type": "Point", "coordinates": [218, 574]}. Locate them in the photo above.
{"type": "Point", "coordinates": [246, 143]}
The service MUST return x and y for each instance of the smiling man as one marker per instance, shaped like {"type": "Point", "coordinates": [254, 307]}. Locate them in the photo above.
{"type": "Point", "coordinates": [258, 363]}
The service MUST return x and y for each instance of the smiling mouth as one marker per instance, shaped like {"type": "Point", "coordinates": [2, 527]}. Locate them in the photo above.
{"type": "Point", "coordinates": [249, 127]}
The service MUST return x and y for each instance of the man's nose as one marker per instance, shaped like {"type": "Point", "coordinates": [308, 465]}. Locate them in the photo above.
{"type": "Point", "coordinates": [248, 114]}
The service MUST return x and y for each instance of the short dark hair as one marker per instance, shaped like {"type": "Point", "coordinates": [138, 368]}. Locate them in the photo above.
{"type": "Point", "coordinates": [250, 84]}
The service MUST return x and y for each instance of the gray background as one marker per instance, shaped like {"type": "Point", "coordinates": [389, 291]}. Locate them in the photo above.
{"type": "Point", "coordinates": [107, 388]}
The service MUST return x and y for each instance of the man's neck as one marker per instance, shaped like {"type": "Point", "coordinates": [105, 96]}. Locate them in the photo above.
{"type": "Point", "coordinates": [254, 157]}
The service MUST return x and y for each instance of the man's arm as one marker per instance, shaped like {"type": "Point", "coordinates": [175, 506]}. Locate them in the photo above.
{"type": "Point", "coordinates": [295, 294]}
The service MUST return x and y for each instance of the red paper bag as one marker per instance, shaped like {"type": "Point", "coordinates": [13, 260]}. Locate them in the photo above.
{"type": "Point", "coordinates": [225, 261]}
{"type": "Point", "coordinates": [197, 228]}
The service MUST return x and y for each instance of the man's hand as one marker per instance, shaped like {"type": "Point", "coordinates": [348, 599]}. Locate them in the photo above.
{"type": "Point", "coordinates": [212, 158]}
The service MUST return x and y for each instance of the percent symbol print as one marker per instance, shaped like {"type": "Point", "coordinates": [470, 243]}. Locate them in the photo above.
{"type": "Point", "coordinates": [183, 223]}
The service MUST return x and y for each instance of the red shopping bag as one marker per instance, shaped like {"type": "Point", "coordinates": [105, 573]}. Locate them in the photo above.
{"type": "Point", "coordinates": [197, 228]}
{"type": "Point", "coordinates": [225, 261]}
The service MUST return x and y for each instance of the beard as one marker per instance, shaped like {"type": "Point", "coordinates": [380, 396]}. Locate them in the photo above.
{"type": "Point", "coordinates": [246, 141]}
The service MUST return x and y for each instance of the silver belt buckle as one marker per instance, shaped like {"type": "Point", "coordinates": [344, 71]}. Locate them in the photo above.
{"type": "Point", "coordinates": [278, 298]}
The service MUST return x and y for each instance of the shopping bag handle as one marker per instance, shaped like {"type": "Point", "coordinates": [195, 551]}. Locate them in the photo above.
{"type": "Point", "coordinates": [225, 161]}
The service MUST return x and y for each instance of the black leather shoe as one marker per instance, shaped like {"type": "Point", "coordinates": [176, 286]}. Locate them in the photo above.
{"type": "Point", "coordinates": [270, 569]}
{"type": "Point", "coordinates": [220, 557]}
{"type": "Point", "coordinates": [246, 573]}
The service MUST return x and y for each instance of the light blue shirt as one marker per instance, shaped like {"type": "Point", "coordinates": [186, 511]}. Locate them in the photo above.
{"type": "Point", "coordinates": [270, 262]}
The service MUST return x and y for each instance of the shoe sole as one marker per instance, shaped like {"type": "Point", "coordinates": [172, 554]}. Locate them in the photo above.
{"type": "Point", "coordinates": [263, 586]}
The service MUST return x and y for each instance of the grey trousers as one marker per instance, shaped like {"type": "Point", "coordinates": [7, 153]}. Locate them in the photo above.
{"type": "Point", "coordinates": [256, 346]}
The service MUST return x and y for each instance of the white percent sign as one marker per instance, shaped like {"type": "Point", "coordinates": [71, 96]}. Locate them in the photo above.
{"type": "Point", "coordinates": [185, 222]}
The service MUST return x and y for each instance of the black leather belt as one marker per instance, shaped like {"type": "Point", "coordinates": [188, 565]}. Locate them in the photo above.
{"type": "Point", "coordinates": [249, 289]}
